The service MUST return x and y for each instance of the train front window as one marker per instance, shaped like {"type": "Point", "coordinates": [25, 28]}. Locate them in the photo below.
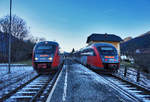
{"type": "Point", "coordinates": [110, 51]}
{"type": "Point", "coordinates": [45, 49]}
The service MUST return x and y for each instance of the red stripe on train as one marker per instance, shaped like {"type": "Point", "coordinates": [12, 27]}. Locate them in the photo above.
{"type": "Point", "coordinates": [56, 59]}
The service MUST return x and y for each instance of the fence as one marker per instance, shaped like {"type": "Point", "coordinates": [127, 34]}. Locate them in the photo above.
{"type": "Point", "coordinates": [134, 74]}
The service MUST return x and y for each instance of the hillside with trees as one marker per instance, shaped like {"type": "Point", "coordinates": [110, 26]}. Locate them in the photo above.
{"type": "Point", "coordinates": [22, 42]}
{"type": "Point", "coordinates": [139, 49]}
{"type": "Point", "coordinates": [141, 42]}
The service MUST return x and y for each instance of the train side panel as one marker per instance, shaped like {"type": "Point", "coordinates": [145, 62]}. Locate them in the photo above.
{"type": "Point", "coordinates": [95, 60]}
{"type": "Point", "coordinates": [56, 60]}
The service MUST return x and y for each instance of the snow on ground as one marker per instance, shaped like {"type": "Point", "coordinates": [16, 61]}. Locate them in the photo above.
{"type": "Point", "coordinates": [11, 64]}
{"type": "Point", "coordinates": [79, 84]}
{"type": "Point", "coordinates": [15, 71]}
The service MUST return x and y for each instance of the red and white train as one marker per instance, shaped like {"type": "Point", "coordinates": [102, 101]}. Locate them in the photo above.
{"type": "Point", "coordinates": [99, 56]}
{"type": "Point", "coordinates": [46, 57]}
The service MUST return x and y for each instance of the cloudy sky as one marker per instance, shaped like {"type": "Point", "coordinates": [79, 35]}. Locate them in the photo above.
{"type": "Point", "coordinates": [69, 22]}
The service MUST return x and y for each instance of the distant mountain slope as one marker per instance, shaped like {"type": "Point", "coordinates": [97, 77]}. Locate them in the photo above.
{"type": "Point", "coordinates": [140, 42]}
{"type": "Point", "coordinates": [127, 39]}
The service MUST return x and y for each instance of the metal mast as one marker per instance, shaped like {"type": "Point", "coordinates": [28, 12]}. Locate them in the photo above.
{"type": "Point", "coordinates": [9, 53]}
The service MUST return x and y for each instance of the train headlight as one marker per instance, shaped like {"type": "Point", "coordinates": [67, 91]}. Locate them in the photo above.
{"type": "Point", "coordinates": [36, 58]}
{"type": "Point", "coordinates": [50, 58]}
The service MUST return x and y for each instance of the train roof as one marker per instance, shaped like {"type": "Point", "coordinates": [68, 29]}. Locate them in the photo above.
{"type": "Point", "coordinates": [48, 42]}
{"type": "Point", "coordinates": [103, 37]}
{"type": "Point", "coordinates": [97, 45]}
{"type": "Point", "coordinates": [102, 44]}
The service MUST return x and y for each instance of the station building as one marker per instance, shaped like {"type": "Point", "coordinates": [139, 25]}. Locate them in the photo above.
{"type": "Point", "coordinates": [105, 38]}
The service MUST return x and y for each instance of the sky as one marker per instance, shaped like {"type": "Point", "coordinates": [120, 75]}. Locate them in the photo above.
{"type": "Point", "coordinates": [70, 22]}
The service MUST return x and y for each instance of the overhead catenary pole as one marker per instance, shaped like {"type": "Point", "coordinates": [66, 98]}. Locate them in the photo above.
{"type": "Point", "coordinates": [9, 50]}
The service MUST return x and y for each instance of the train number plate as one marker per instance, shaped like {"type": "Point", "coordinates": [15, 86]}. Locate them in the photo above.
{"type": "Point", "coordinates": [42, 58]}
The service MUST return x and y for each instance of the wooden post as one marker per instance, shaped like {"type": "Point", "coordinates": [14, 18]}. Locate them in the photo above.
{"type": "Point", "coordinates": [125, 71]}
{"type": "Point", "coordinates": [138, 75]}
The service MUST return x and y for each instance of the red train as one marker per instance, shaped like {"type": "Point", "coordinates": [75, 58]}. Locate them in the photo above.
{"type": "Point", "coordinates": [46, 57]}
{"type": "Point", "coordinates": [99, 56]}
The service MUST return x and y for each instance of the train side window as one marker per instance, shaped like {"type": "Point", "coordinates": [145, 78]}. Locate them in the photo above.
{"type": "Point", "coordinates": [88, 52]}
{"type": "Point", "coordinates": [92, 51]}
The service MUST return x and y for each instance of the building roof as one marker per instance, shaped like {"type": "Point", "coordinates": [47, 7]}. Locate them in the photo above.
{"type": "Point", "coordinates": [103, 37]}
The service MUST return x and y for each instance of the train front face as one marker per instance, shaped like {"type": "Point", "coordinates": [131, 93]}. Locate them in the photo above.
{"type": "Point", "coordinates": [45, 57]}
{"type": "Point", "coordinates": [109, 57]}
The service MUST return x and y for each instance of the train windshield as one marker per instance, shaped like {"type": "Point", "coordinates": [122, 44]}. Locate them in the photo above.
{"type": "Point", "coordinates": [107, 50]}
{"type": "Point", "coordinates": [45, 49]}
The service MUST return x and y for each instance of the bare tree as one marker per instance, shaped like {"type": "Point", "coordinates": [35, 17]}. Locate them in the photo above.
{"type": "Point", "coordinates": [20, 47]}
{"type": "Point", "coordinates": [37, 39]}
{"type": "Point", "coordinates": [19, 28]}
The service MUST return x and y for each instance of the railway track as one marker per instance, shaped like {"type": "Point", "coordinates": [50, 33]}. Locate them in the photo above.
{"type": "Point", "coordinates": [133, 91]}
{"type": "Point", "coordinates": [36, 89]}
{"type": "Point", "coordinates": [136, 92]}
{"type": "Point", "coordinates": [12, 80]}
{"type": "Point", "coordinates": [136, 89]}
{"type": "Point", "coordinates": [10, 85]}
{"type": "Point", "coordinates": [9, 93]}
{"type": "Point", "coordinates": [32, 90]}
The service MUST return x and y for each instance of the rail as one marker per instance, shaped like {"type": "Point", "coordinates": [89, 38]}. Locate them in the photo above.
{"type": "Point", "coordinates": [51, 83]}
{"type": "Point", "coordinates": [141, 78]}
{"type": "Point", "coordinates": [16, 89]}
